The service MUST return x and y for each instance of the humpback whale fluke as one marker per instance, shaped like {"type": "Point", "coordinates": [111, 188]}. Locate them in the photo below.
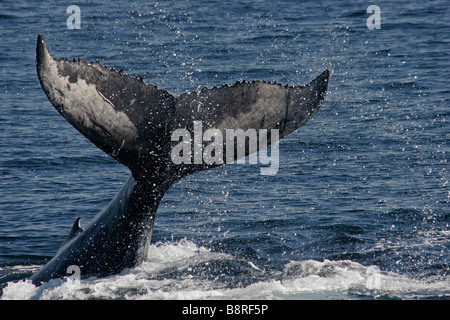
{"type": "Point", "coordinates": [132, 122]}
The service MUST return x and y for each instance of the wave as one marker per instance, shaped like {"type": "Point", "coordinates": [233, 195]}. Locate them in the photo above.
{"type": "Point", "coordinates": [186, 271]}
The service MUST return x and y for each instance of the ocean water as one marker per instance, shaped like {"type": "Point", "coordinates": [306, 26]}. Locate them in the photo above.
{"type": "Point", "coordinates": [359, 208]}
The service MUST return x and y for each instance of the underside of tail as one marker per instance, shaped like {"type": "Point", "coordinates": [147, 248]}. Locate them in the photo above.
{"type": "Point", "coordinates": [133, 121]}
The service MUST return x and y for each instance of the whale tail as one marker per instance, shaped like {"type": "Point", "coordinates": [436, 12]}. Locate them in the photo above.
{"type": "Point", "coordinates": [133, 121]}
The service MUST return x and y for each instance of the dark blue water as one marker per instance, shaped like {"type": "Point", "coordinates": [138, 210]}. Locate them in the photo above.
{"type": "Point", "coordinates": [359, 208]}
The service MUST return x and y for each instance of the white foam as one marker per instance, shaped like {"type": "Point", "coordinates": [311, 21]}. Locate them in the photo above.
{"type": "Point", "coordinates": [183, 254]}
{"type": "Point", "coordinates": [155, 279]}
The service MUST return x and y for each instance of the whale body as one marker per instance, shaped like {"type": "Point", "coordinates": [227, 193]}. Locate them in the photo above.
{"type": "Point", "coordinates": [133, 122]}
